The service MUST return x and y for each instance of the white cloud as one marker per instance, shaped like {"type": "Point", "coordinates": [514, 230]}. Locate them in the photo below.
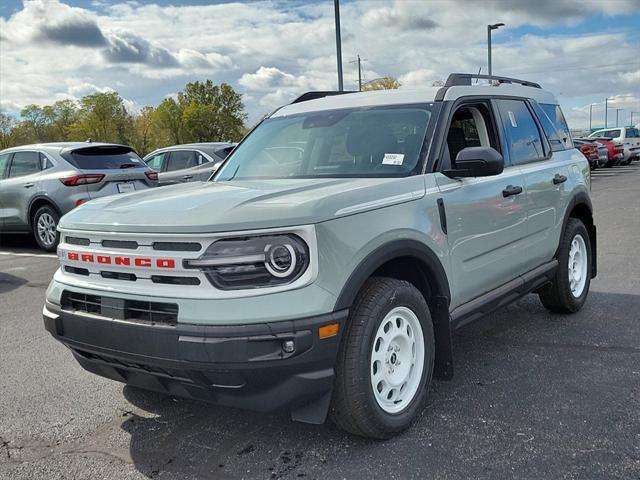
{"type": "Point", "coordinates": [273, 51]}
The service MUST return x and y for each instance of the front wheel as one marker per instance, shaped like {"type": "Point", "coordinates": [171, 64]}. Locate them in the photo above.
{"type": "Point", "coordinates": [570, 286]}
{"type": "Point", "coordinates": [45, 224]}
{"type": "Point", "coordinates": [385, 362]}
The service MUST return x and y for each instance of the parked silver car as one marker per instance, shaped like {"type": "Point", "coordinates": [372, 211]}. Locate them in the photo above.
{"type": "Point", "coordinates": [190, 162]}
{"type": "Point", "coordinates": [40, 183]}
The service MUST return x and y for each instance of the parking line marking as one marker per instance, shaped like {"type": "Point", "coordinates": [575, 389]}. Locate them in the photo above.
{"type": "Point", "coordinates": [15, 254]}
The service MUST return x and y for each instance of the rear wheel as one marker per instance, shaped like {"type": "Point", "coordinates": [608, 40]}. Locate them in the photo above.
{"type": "Point", "coordinates": [45, 224]}
{"type": "Point", "coordinates": [385, 362]}
{"type": "Point", "coordinates": [570, 287]}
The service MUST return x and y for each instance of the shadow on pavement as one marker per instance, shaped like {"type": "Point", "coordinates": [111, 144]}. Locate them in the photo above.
{"type": "Point", "coordinates": [10, 282]}
{"type": "Point", "coordinates": [534, 391]}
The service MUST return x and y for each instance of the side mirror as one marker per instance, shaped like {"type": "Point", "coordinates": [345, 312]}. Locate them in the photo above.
{"type": "Point", "coordinates": [476, 162]}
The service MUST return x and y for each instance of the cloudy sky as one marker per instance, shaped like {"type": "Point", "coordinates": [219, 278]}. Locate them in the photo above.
{"type": "Point", "coordinates": [271, 51]}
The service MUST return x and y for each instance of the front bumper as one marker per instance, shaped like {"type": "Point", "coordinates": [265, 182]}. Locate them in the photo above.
{"type": "Point", "coordinates": [242, 366]}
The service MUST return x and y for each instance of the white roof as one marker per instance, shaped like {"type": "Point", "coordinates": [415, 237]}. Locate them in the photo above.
{"type": "Point", "coordinates": [403, 96]}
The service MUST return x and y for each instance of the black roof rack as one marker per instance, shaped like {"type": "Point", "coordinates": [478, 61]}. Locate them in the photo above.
{"type": "Point", "coordinates": [464, 79]}
{"type": "Point", "coordinates": [319, 94]}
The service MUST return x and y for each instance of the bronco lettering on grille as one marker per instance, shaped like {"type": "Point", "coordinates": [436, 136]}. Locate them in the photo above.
{"type": "Point", "coordinates": [143, 262]}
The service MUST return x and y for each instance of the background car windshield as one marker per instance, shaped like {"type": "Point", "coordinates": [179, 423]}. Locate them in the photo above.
{"type": "Point", "coordinates": [104, 158]}
{"type": "Point", "coordinates": [359, 142]}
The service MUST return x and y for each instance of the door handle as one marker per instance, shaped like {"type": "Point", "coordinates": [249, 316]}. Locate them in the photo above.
{"type": "Point", "coordinates": [511, 190]}
{"type": "Point", "coordinates": [558, 179]}
{"type": "Point", "coordinates": [28, 185]}
{"type": "Point", "coordinates": [187, 177]}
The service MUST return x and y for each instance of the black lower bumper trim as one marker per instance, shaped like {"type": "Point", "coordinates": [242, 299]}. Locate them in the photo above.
{"type": "Point", "coordinates": [243, 366]}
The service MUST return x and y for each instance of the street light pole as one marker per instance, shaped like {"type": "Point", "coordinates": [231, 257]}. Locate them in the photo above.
{"type": "Point", "coordinates": [336, 8]}
{"type": "Point", "coordinates": [590, 114]}
{"type": "Point", "coordinates": [495, 26]}
{"type": "Point", "coordinates": [632, 113]}
{"type": "Point", "coordinates": [606, 108]}
{"type": "Point", "coordinates": [618, 110]}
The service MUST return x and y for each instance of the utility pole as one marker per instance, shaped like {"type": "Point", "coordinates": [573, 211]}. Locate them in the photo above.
{"type": "Point", "coordinates": [336, 8]}
{"type": "Point", "coordinates": [359, 62]}
{"type": "Point", "coordinates": [495, 26]}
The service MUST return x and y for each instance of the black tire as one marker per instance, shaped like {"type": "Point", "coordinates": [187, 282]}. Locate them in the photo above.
{"type": "Point", "coordinates": [353, 405]}
{"type": "Point", "coordinates": [42, 240]}
{"type": "Point", "coordinates": [557, 296]}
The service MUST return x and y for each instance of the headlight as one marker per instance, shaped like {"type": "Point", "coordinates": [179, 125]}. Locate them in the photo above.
{"type": "Point", "coordinates": [253, 262]}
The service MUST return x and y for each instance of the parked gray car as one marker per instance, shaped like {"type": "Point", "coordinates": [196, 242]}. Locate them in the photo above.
{"type": "Point", "coordinates": [190, 162]}
{"type": "Point", "coordinates": [40, 183]}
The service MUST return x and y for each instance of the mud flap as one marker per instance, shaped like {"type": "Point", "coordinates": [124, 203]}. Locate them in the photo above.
{"type": "Point", "coordinates": [443, 368]}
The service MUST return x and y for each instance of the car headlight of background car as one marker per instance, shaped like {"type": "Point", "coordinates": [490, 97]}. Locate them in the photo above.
{"type": "Point", "coordinates": [253, 261]}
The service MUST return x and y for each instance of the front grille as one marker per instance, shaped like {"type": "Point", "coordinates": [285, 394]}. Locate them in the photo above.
{"type": "Point", "coordinates": [76, 270]}
{"type": "Point", "coordinates": [127, 244]}
{"type": "Point", "coordinates": [170, 280]}
{"type": "Point", "coordinates": [120, 308]}
{"type": "Point", "coordinates": [119, 276]}
{"type": "Point", "coordinates": [177, 246]}
{"type": "Point", "coordinates": [77, 241]}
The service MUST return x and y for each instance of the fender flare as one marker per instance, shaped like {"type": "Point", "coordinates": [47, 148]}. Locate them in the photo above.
{"type": "Point", "coordinates": [47, 199]}
{"type": "Point", "coordinates": [581, 198]}
{"type": "Point", "coordinates": [439, 302]}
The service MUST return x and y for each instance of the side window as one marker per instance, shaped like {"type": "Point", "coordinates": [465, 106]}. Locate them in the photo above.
{"type": "Point", "coordinates": [4, 161]}
{"type": "Point", "coordinates": [471, 126]}
{"type": "Point", "coordinates": [24, 163]}
{"type": "Point", "coordinates": [632, 133]}
{"type": "Point", "coordinates": [45, 163]}
{"type": "Point", "coordinates": [523, 137]}
{"type": "Point", "coordinates": [155, 162]}
{"type": "Point", "coordinates": [181, 159]}
{"type": "Point", "coordinates": [550, 130]}
{"type": "Point", "coordinates": [554, 112]}
{"type": "Point", "coordinates": [201, 158]}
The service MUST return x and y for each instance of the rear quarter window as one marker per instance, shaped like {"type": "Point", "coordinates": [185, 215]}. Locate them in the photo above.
{"type": "Point", "coordinates": [103, 158]}
{"type": "Point", "coordinates": [554, 113]}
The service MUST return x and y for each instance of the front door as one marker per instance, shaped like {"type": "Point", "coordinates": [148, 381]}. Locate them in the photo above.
{"type": "Point", "coordinates": [486, 217]}
{"type": "Point", "coordinates": [17, 189]}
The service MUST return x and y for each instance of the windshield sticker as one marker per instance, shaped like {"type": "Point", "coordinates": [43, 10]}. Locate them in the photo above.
{"type": "Point", "coordinates": [393, 159]}
{"type": "Point", "coordinates": [512, 117]}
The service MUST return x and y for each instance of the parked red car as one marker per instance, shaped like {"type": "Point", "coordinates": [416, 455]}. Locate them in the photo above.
{"type": "Point", "coordinates": [589, 150]}
{"type": "Point", "coordinates": [615, 151]}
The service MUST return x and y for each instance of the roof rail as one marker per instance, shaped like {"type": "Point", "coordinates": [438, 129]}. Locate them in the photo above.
{"type": "Point", "coordinates": [464, 79]}
{"type": "Point", "coordinates": [319, 94]}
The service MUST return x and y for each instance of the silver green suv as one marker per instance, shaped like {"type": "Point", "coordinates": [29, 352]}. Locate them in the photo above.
{"type": "Point", "coordinates": [325, 267]}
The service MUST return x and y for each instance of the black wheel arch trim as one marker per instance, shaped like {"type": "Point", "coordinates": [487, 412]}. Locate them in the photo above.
{"type": "Point", "coordinates": [581, 198]}
{"type": "Point", "coordinates": [45, 198]}
{"type": "Point", "coordinates": [440, 300]}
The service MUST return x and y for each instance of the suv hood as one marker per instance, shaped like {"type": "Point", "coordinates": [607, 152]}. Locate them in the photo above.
{"type": "Point", "coordinates": [209, 207]}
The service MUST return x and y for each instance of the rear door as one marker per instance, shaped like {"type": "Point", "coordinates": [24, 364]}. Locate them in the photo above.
{"type": "Point", "coordinates": [543, 151]}
{"type": "Point", "coordinates": [632, 136]}
{"type": "Point", "coordinates": [110, 169]}
{"type": "Point", "coordinates": [486, 217]}
{"type": "Point", "coordinates": [22, 175]}
{"type": "Point", "coordinates": [179, 167]}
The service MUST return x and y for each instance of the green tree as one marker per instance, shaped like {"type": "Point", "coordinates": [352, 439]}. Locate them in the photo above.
{"type": "Point", "coordinates": [7, 134]}
{"type": "Point", "coordinates": [143, 140]}
{"type": "Point", "coordinates": [168, 123]}
{"type": "Point", "coordinates": [35, 122]}
{"type": "Point", "coordinates": [385, 83]}
{"type": "Point", "coordinates": [104, 118]}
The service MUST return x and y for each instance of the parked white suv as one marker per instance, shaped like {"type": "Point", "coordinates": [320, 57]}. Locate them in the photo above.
{"type": "Point", "coordinates": [629, 137]}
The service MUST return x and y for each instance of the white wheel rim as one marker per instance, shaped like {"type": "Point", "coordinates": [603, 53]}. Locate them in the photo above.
{"type": "Point", "coordinates": [46, 227]}
{"type": "Point", "coordinates": [577, 266]}
{"type": "Point", "coordinates": [397, 360]}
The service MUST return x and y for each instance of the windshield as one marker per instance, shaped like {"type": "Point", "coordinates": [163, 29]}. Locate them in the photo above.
{"type": "Point", "coordinates": [359, 142]}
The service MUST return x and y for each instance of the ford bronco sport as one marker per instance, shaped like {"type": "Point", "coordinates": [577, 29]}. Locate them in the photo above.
{"type": "Point", "coordinates": [325, 267]}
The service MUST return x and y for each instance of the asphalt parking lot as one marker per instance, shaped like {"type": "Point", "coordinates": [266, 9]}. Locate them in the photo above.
{"type": "Point", "coordinates": [535, 395]}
